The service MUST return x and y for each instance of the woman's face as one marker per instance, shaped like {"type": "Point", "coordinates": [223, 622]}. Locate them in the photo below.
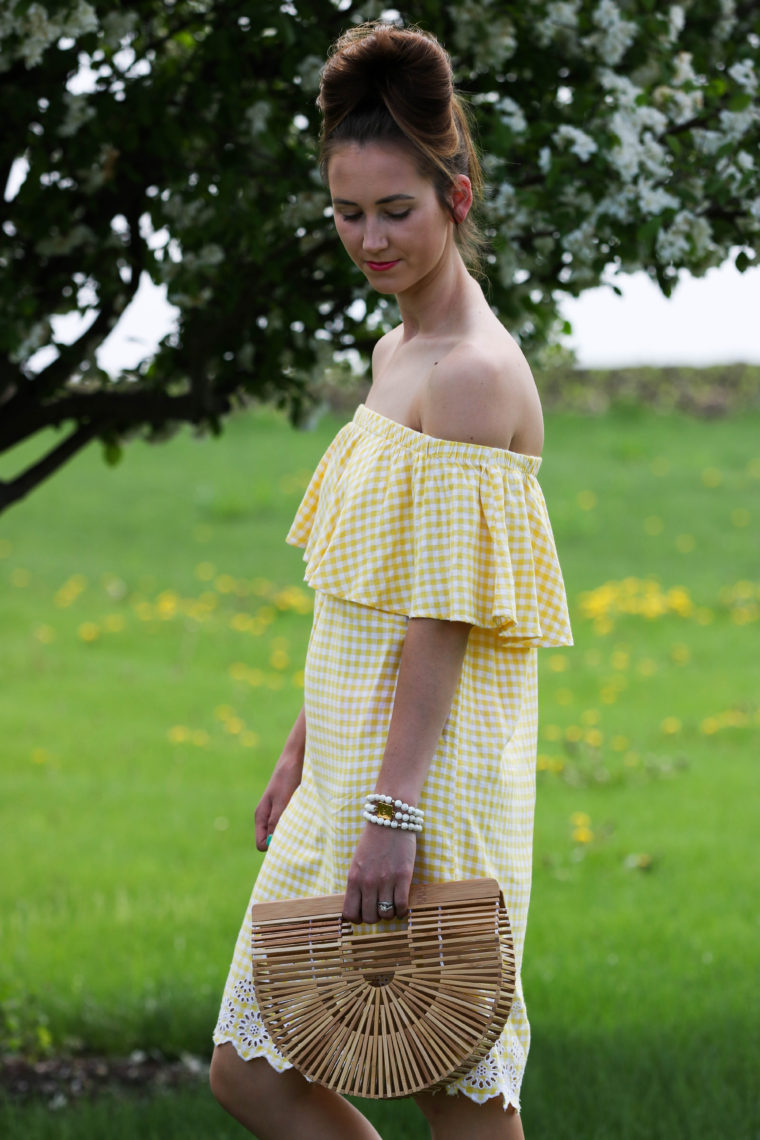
{"type": "Point", "coordinates": [388, 215]}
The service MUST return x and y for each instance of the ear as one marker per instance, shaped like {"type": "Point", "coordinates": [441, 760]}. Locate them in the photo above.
{"type": "Point", "coordinates": [460, 198]}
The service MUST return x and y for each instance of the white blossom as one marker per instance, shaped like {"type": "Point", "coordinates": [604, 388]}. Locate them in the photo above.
{"type": "Point", "coordinates": [80, 21]}
{"type": "Point", "coordinates": [676, 22]}
{"type": "Point", "coordinates": [118, 26]}
{"type": "Point", "coordinates": [737, 124]}
{"type": "Point", "coordinates": [725, 26]}
{"type": "Point", "coordinates": [79, 109]}
{"type": "Point", "coordinates": [310, 70]}
{"type": "Point", "coordinates": [580, 143]}
{"type": "Point", "coordinates": [512, 115]}
{"type": "Point", "coordinates": [655, 199]}
{"type": "Point", "coordinates": [683, 69]}
{"type": "Point", "coordinates": [559, 22]}
{"type": "Point", "coordinates": [743, 73]}
{"type": "Point", "coordinates": [544, 159]}
{"type": "Point", "coordinates": [688, 233]}
{"type": "Point", "coordinates": [257, 116]}
{"type": "Point", "coordinates": [616, 34]}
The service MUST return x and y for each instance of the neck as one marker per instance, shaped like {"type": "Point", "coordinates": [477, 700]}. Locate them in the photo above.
{"type": "Point", "coordinates": [440, 302]}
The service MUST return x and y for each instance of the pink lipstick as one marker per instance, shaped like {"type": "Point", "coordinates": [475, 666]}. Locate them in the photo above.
{"type": "Point", "coordinates": [381, 266]}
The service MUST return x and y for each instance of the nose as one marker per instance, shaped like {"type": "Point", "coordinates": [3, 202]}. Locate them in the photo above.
{"type": "Point", "coordinates": [374, 236]}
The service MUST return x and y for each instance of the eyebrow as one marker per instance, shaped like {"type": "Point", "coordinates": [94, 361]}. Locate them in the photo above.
{"type": "Point", "coordinates": [379, 202]}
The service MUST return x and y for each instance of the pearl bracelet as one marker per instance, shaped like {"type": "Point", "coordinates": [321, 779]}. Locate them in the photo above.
{"type": "Point", "coordinates": [387, 812]}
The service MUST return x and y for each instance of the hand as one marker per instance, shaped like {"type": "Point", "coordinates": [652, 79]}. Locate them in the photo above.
{"type": "Point", "coordinates": [381, 870]}
{"type": "Point", "coordinates": [283, 782]}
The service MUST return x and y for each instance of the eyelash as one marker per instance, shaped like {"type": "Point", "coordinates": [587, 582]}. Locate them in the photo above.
{"type": "Point", "coordinates": [393, 217]}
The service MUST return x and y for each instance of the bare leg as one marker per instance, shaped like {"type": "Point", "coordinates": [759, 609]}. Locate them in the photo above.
{"type": "Point", "coordinates": [275, 1106]}
{"type": "Point", "coordinates": [455, 1117]}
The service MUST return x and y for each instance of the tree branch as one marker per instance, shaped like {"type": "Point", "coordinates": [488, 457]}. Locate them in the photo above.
{"type": "Point", "coordinates": [11, 491]}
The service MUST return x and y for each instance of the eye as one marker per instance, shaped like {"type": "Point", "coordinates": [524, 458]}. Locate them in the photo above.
{"type": "Point", "coordinates": [403, 214]}
{"type": "Point", "coordinates": [350, 217]}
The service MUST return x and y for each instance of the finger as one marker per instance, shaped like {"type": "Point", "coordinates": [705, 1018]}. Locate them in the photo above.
{"type": "Point", "coordinates": [401, 899]}
{"type": "Point", "coordinates": [369, 905]}
{"type": "Point", "coordinates": [264, 823]}
{"type": "Point", "coordinates": [352, 904]}
{"type": "Point", "coordinates": [386, 894]}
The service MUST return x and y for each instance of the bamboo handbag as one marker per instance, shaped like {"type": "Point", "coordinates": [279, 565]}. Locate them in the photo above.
{"type": "Point", "coordinates": [393, 1012]}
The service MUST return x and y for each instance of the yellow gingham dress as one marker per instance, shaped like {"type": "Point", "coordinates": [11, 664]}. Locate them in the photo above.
{"type": "Point", "coordinates": [397, 524]}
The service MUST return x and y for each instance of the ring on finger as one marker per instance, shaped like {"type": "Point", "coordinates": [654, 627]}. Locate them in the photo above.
{"type": "Point", "coordinates": [385, 907]}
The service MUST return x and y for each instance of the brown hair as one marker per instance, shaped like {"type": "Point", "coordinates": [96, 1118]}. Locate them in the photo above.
{"type": "Point", "coordinates": [384, 83]}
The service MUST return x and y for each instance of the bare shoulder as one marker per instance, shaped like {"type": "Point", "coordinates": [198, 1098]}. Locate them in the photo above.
{"type": "Point", "coordinates": [383, 349]}
{"type": "Point", "coordinates": [484, 394]}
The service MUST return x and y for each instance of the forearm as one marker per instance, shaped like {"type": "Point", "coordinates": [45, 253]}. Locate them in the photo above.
{"type": "Point", "coordinates": [295, 745]}
{"type": "Point", "coordinates": [431, 663]}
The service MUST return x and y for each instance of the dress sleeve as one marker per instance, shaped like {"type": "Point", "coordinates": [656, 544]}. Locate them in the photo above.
{"type": "Point", "coordinates": [459, 533]}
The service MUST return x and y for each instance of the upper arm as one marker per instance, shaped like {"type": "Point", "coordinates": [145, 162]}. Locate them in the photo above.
{"type": "Point", "coordinates": [476, 397]}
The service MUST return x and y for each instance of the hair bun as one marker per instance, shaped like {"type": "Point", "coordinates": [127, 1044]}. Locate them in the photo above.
{"type": "Point", "coordinates": [404, 69]}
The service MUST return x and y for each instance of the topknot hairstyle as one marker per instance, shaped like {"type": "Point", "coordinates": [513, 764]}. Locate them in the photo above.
{"type": "Point", "coordinates": [382, 83]}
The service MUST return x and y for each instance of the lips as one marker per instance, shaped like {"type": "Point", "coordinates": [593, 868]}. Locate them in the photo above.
{"type": "Point", "coordinates": [381, 266]}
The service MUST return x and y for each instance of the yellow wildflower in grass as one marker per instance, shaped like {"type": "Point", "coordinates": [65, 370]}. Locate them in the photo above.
{"type": "Point", "coordinates": [225, 584]}
{"type": "Point", "coordinates": [20, 578]}
{"type": "Point", "coordinates": [681, 654]}
{"type": "Point", "coordinates": [551, 732]}
{"type": "Point", "coordinates": [671, 726]}
{"type": "Point", "coordinates": [653, 525]}
{"type": "Point", "coordinates": [619, 743]}
{"type": "Point", "coordinates": [558, 663]}
{"type": "Point", "coordinates": [586, 500]}
{"type": "Point", "coordinates": [223, 712]}
{"type": "Point", "coordinates": [591, 716]}
{"type": "Point", "coordinates": [712, 477]}
{"type": "Point", "coordinates": [178, 734]}
{"type": "Point", "coordinates": [249, 739]}
{"type": "Point", "coordinates": [70, 591]}
{"type": "Point", "coordinates": [88, 631]}
{"type": "Point", "coordinates": [200, 738]}
{"type": "Point", "coordinates": [608, 695]}
{"type": "Point", "coordinates": [266, 614]}
{"type": "Point", "coordinates": [167, 604]}
{"type": "Point", "coordinates": [242, 588]}
{"type": "Point", "coordinates": [583, 835]}
{"type": "Point", "coordinates": [261, 587]}
{"type": "Point", "coordinates": [255, 678]}
{"type": "Point", "coordinates": [580, 819]}
{"type": "Point", "coordinates": [234, 725]}
{"type": "Point", "coordinates": [114, 623]}
{"type": "Point", "coordinates": [144, 611]}
{"type": "Point", "coordinates": [709, 726]}
{"type": "Point", "coordinates": [298, 680]}
{"type": "Point", "coordinates": [293, 598]}
{"type": "Point", "coordinates": [40, 756]}
{"type": "Point", "coordinates": [631, 759]}
{"type": "Point", "coordinates": [565, 697]}
{"type": "Point", "coordinates": [647, 667]}
{"type": "Point", "coordinates": [242, 622]}
{"type": "Point", "coordinates": [573, 733]}
{"type": "Point", "coordinates": [620, 659]}
{"type": "Point", "coordinates": [205, 571]}
{"type": "Point", "coordinates": [594, 738]}
{"type": "Point", "coordinates": [740, 517]}
{"type": "Point", "coordinates": [238, 671]}
{"type": "Point", "coordinates": [279, 659]}
{"type": "Point", "coordinates": [45, 634]}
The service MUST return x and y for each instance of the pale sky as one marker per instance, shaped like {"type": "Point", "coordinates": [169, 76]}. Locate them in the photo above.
{"type": "Point", "coordinates": [714, 319]}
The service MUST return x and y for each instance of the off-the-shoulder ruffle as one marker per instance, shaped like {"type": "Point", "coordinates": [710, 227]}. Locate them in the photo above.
{"type": "Point", "coordinates": [425, 527]}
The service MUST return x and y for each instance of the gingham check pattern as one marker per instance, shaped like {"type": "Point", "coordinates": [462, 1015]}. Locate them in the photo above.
{"type": "Point", "coordinates": [397, 524]}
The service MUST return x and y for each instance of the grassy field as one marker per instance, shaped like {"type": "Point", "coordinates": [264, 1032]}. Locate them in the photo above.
{"type": "Point", "coordinates": [154, 627]}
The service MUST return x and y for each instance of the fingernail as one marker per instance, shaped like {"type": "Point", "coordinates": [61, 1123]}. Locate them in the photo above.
{"type": "Point", "coordinates": [269, 840]}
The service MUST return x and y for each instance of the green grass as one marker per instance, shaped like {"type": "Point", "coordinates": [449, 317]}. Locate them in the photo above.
{"type": "Point", "coordinates": [142, 705]}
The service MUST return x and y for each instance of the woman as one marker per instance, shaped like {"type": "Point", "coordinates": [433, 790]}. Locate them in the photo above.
{"type": "Point", "coordinates": [431, 554]}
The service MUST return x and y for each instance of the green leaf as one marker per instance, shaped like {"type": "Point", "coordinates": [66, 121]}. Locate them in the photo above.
{"type": "Point", "coordinates": [112, 452]}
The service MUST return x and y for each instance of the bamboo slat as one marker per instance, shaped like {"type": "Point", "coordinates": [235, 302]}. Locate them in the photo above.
{"type": "Point", "coordinates": [391, 1013]}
